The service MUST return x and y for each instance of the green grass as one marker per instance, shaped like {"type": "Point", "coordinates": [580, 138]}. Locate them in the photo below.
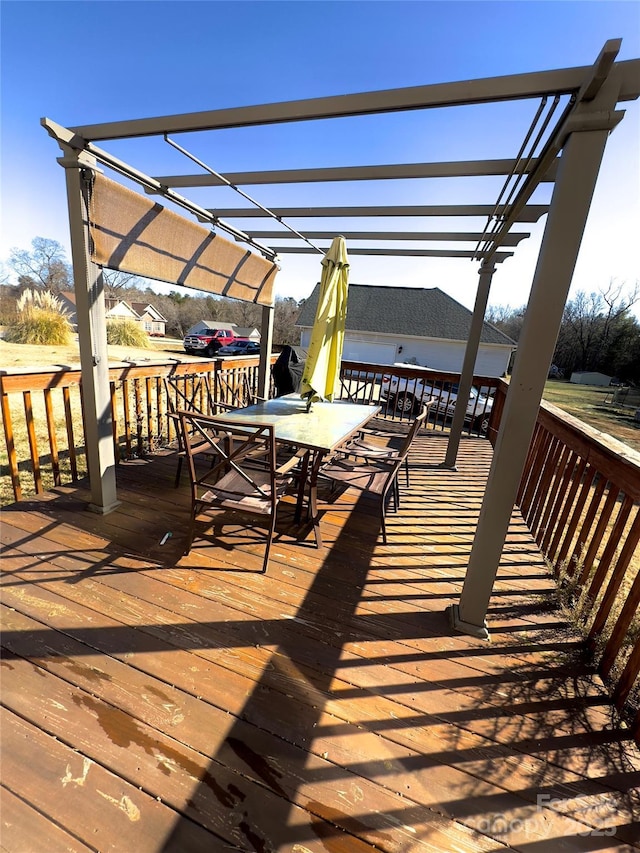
{"type": "Point", "coordinates": [588, 403]}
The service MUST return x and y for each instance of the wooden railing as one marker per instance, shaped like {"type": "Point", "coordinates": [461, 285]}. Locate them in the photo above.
{"type": "Point", "coordinates": [402, 389]}
{"type": "Point", "coordinates": [43, 422]}
{"type": "Point", "coordinates": [42, 410]}
{"type": "Point", "coordinates": [580, 497]}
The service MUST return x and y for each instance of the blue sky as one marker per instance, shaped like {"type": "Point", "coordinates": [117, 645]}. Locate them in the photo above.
{"type": "Point", "coordinates": [81, 62]}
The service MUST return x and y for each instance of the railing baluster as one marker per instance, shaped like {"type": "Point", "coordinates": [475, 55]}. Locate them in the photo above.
{"type": "Point", "coordinates": [604, 564]}
{"type": "Point", "coordinates": [126, 409]}
{"type": "Point", "coordinates": [33, 444]}
{"type": "Point", "coordinates": [543, 491]}
{"type": "Point", "coordinates": [591, 541]}
{"type": "Point", "coordinates": [12, 456]}
{"type": "Point", "coordinates": [71, 443]}
{"type": "Point", "coordinates": [567, 466]}
{"type": "Point", "coordinates": [629, 609]}
{"type": "Point", "coordinates": [51, 433]}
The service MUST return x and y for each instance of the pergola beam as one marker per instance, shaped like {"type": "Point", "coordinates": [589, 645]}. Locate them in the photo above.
{"type": "Point", "coordinates": [511, 239]}
{"type": "Point", "coordinates": [489, 89]}
{"type": "Point", "coordinates": [529, 213]}
{"type": "Point", "coordinates": [402, 171]}
{"type": "Point", "coordinates": [498, 257]}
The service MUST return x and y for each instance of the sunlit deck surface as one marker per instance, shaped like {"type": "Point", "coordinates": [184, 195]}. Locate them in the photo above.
{"type": "Point", "coordinates": [153, 702]}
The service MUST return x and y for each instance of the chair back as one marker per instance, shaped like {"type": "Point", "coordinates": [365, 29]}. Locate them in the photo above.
{"type": "Point", "coordinates": [238, 462]}
{"type": "Point", "coordinates": [415, 428]}
{"type": "Point", "coordinates": [234, 391]}
{"type": "Point", "coordinates": [189, 392]}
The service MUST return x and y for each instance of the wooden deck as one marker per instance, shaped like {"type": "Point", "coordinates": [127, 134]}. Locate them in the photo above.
{"type": "Point", "coordinates": [159, 703]}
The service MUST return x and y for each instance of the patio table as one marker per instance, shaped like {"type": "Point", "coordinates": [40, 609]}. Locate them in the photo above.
{"type": "Point", "coordinates": [318, 431]}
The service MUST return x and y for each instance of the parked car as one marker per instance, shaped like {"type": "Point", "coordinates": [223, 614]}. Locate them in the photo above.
{"type": "Point", "coordinates": [240, 348]}
{"type": "Point", "coordinates": [207, 341]}
{"type": "Point", "coordinates": [407, 394]}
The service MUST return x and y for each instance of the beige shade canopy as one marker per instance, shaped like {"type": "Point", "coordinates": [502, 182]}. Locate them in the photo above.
{"type": "Point", "coordinates": [132, 233]}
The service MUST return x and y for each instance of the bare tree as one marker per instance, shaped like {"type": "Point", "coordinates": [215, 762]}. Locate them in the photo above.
{"type": "Point", "coordinates": [507, 319]}
{"type": "Point", "coordinates": [596, 328]}
{"type": "Point", "coordinates": [117, 281]}
{"type": "Point", "coordinates": [45, 267]}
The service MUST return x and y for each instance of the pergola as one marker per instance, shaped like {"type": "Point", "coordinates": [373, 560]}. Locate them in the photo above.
{"type": "Point", "coordinates": [575, 109]}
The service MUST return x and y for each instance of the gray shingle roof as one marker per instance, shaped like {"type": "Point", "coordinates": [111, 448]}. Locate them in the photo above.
{"type": "Point", "coordinates": [423, 312]}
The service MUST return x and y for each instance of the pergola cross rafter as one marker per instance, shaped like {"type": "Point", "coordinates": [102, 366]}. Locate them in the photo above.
{"type": "Point", "coordinates": [566, 157]}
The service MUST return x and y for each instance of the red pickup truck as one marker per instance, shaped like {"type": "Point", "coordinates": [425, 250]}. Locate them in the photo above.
{"type": "Point", "coordinates": [208, 341]}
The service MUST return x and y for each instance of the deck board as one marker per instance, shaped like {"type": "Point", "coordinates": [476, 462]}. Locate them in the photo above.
{"type": "Point", "coordinates": [323, 706]}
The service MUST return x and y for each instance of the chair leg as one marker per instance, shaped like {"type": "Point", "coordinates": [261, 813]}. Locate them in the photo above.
{"type": "Point", "coordinates": [178, 472]}
{"type": "Point", "coordinates": [190, 533]}
{"type": "Point", "coordinates": [406, 470]}
{"type": "Point", "coordinates": [382, 522]}
{"type": "Point", "coordinates": [272, 530]}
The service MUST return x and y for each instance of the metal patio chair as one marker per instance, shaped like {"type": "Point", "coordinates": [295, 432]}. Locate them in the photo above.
{"type": "Point", "coordinates": [378, 442]}
{"type": "Point", "coordinates": [239, 471]}
{"type": "Point", "coordinates": [190, 392]}
{"type": "Point", "coordinates": [373, 474]}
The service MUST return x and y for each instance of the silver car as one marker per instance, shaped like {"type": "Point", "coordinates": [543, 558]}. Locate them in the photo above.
{"type": "Point", "coordinates": [406, 394]}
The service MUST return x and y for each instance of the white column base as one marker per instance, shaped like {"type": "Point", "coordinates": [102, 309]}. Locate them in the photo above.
{"type": "Point", "coordinates": [458, 624]}
{"type": "Point", "coordinates": [103, 510]}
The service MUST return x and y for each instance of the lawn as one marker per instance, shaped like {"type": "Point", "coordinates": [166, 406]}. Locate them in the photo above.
{"type": "Point", "coordinates": [34, 355]}
{"type": "Point", "coordinates": [587, 402]}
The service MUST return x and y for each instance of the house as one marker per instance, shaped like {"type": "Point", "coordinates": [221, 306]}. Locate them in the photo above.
{"type": "Point", "coordinates": [590, 378]}
{"type": "Point", "coordinates": [210, 324]}
{"type": "Point", "coordinates": [143, 313]}
{"type": "Point", "coordinates": [421, 326]}
{"type": "Point", "coordinates": [250, 333]}
{"type": "Point", "coordinates": [150, 319]}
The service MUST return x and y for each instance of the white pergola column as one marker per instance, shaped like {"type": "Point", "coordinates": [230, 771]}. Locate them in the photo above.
{"type": "Point", "coordinates": [487, 270]}
{"type": "Point", "coordinates": [577, 173]}
{"type": "Point", "coordinates": [266, 345]}
{"type": "Point", "coordinates": [92, 336]}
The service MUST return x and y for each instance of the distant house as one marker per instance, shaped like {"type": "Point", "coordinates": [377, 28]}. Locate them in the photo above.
{"type": "Point", "coordinates": [590, 378]}
{"type": "Point", "coordinates": [148, 317]}
{"type": "Point", "coordinates": [251, 333]}
{"type": "Point", "coordinates": [420, 326]}
{"type": "Point", "coordinates": [210, 324]}
{"type": "Point", "coordinates": [151, 319]}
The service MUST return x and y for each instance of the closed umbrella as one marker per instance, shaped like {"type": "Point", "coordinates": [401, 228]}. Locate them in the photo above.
{"type": "Point", "coordinates": [322, 368]}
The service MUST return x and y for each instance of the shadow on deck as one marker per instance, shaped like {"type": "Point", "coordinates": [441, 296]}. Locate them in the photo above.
{"type": "Point", "coordinates": [154, 702]}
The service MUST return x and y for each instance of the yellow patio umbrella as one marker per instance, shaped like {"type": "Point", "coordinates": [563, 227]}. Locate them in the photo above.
{"type": "Point", "coordinates": [324, 353]}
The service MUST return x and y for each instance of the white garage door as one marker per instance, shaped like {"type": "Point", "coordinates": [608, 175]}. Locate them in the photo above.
{"type": "Point", "coordinates": [372, 352]}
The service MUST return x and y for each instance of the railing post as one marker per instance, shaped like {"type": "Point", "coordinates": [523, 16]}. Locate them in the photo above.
{"type": "Point", "coordinates": [575, 183]}
{"type": "Point", "coordinates": [487, 270]}
{"type": "Point", "coordinates": [266, 343]}
{"type": "Point", "coordinates": [92, 337]}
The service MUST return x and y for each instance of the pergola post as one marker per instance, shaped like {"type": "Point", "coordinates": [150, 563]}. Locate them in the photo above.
{"type": "Point", "coordinates": [487, 270]}
{"type": "Point", "coordinates": [577, 173]}
{"type": "Point", "coordinates": [92, 337]}
{"type": "Point", "coordinates": [266, 344]}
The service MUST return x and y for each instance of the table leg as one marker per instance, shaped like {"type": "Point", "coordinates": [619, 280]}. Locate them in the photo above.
{"type": "Point", "coordinates": [313, 496]}
{"type": "Point", "coordinates": [304, 469]}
